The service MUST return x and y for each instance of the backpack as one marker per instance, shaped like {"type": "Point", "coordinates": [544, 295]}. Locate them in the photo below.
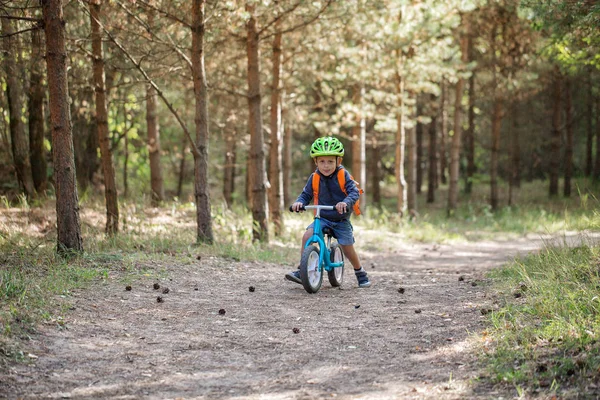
{"type": "Point", "coordinates": [316, 179]}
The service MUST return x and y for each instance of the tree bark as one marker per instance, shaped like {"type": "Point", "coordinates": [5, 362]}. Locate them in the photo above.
{"type": "Point", "coordinates": [375, 169]}
{"type": "Point", "coordinates": [515, 155]}
{"type": "Point", "coordinates": [3, 128]}
{"type": "Point", "coordinates": [260, 229]}
{"type": "Point", "coordinates": [37, 150]}
{"type": "Point", "coordinates": [411, 175]}
{"type": "Point", "coordinates": [433, 156]}
{"type": "Point", "coordinates": [153, 144]}
{"type": "Point", "coordinates": [443, 160]}
{"type": "Point", "coordinates": [556, 134]}
{"type": "Point", "coordinates": [590, 126]}
{"type": "Point", "coordinates": [201, 189]}
{"type": "Point", "coordinates": [275, 167]}
{"type": "Point", "coordinates": [516, 151]}
{"type": "Point", "coordinates": [496, 130]}
{"type": "Point", "coordinates": [456, 139]}
{"type": "Point", "coordinates": [156, 179]}
{"type": "Point", "coordinates": [67, 202]}
{"type": "Point", "coordinates": [182, 167]}
{"type": "Point", "coordinates": [14, 90]}
{"type": "Point", "coordinates": [569, 142]}
{"type": "Point", "coordinates": [419, 147]}
{"type": "Point", "coordinates": [597, 161]}
{"type": "Point", "coordinates": [230, 159]}
{"type": "Point", "coordinates": [85, 137]}
{"type": "Point", "coordinates": [287, 158]}
{"type": "Point", "coordinates": [470, 137]}
{"type": "Point", "coordinates": [125, 166]}
{"type": "Point", "coordinates": [110, 187]}
{"type": "Point", "coordinates": [359, 134]}
{"type": "Point", "coordinates": [400, 139]}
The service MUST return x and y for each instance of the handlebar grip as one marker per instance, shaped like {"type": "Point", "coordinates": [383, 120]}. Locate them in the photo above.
{"type": "Point", "coordinates": [301, 209]}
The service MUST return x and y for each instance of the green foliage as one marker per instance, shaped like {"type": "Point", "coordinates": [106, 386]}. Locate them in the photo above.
{"type": "Point", "coordinates": [551, 333]}
{"type": "Point", "coordinates": [572, 27]}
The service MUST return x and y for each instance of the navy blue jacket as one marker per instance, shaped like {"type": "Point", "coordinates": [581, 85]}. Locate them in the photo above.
{"type": "Point", "coordinates": [330, 193]}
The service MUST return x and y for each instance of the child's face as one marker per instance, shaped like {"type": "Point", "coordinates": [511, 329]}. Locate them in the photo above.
{"type": "Point", "coordinates": [326, 164]}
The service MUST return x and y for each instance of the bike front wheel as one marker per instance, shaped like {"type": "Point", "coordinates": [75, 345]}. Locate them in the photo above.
{"type": "Point", "coordinates": [336, 275]}
{"type": "Point", "coordinates": [311, 272]}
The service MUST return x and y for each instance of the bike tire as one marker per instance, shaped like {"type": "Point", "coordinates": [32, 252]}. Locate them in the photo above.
{"type": "Point", "coordinates": [311, 272]}
{"type": "Point", "coordinates": [336, 275]}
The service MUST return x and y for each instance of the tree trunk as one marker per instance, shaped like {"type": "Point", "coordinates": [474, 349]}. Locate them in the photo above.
{"type": "Point", "coordinates": [154, 149]}
{"type": "Point", "coordinates": [419, 147]}
{"type": "Point", "coordinates": [400, 139]}
{"type": "Point", "coordinates": [5, 145]}
{"type": "Point", "coordinates": [375, 178]}
{"type": "Point", "coordinates": [555, 139]}
{"type": "Point", "coordinates": [230, 159]}
{"type": "Point", "coordinates": [85, 137]}
{"type": "Point", "coordinates": [516, 150]}
{"type": "Point", "coordinates": [590, 126]}
{"type": "Point", "coordinates": [275, 168]}
{"type": "Point", "coordinates": [37, 150]}
{"type": "Point", "coordinates": [260, 229]}
{"type": "Point", "coordinates": [443, 134]}
{"type": "Point", "coordinates": [14, 90]}
{"type": "Point", "coordinates": [411, 173]}
{"type": "Point", "coordinates": [110, 187]}
{"type": "Point", "coordinates": [515, 155]}
{"type": "Point", "coordinates": [359, 135]}
{"type": "Point", "coordinates": [496, 130]}
{"type": "Point", "coordinates": [156, 179]}
{"type": "Point", "coordinates": [287, 158]}
{"type": "Point", "coordinates": [67, 202]}
{"type": "Point", "coordinates": [433, 156]}
{"type": "Point", "coordinates": [597, 161]}
{"type": "Point", "coordinates": [125, 166]}
{"type": "Point", "coordinates": [201, 189]}
{"type": "Point", "coordinates": [182, 167]}
{"type": "Point", "coordinates": [456, 139]}
{"type": "Point", "coordinates": [470, 137]}
{"type": "Point", "coordinates": [569, 143]}
{"type": "Point", "coordinates": [249, 181]}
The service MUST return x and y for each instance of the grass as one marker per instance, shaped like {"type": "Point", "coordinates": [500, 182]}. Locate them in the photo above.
{"type": "Point", "coordinates": [546, 336]}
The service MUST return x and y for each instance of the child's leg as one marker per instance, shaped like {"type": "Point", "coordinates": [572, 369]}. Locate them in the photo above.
{"type": "Point", "coordinates": [351, 255]}
{"type": "Point", "coordinates": [361, 274]}
{"type": "Point", "coordinates": [307, 235]}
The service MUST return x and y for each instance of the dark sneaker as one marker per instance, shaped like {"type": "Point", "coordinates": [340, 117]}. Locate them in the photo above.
{"type": "Point", "coordinates": [363, 278]}
{"type": "Point", "coordinates": [294, 276]}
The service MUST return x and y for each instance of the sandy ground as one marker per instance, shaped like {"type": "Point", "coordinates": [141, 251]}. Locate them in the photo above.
{"type": "Point", "coordinates": [276, 341]}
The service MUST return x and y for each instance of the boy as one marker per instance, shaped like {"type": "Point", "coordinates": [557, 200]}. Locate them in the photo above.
{"type": "Point", "coordinates": [327, 153]}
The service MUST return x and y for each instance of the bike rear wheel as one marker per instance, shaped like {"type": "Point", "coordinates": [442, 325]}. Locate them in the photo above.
{"type": "Point", "coordinates": [336, 275]}
{"type": "Point", "coordinates": [311, 272]}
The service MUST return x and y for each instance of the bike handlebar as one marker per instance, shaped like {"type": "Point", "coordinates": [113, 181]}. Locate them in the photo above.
{"type": "Point", "coordinates": [317, 207]}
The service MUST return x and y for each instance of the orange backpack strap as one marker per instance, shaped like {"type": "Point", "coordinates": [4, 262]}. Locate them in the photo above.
{"type": "Point", "coordinates": [342, 180]}
{"type": "Point", "coordinates": [316, 179]}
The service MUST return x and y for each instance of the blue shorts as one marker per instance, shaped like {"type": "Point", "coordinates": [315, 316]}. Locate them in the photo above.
{"type": "Point", "coordinates": [342, 230]}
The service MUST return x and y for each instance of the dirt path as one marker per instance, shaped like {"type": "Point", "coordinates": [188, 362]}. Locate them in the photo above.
{"type": "Point", "coordinates": [374, 343]}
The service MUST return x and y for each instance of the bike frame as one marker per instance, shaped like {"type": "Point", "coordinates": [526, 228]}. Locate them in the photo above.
{"type": "Point", "coordinates": [319, 237]}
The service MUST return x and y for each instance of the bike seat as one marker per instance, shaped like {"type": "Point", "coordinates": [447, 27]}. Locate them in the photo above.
{"type": "Point", "coordinates": [328, 231]}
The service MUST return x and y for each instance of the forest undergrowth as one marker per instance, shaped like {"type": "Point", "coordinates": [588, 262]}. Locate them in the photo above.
{"type": "Point", "coordinates": [543, 334]}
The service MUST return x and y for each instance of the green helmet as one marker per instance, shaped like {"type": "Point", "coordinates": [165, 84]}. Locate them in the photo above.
{"type": "Point", "coordinates": [327, 146]}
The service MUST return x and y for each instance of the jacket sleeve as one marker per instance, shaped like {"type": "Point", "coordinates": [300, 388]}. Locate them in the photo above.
{"type": "Point", "coordinates": [352, 191]}
{"type": "Point", "coordinates": [307, 193]}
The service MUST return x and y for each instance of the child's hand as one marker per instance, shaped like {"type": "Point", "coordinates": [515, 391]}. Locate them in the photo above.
{"type": "Point", "coordinates": [341, 207]}
{"type": "Point", "coordinates": [297, 206]}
